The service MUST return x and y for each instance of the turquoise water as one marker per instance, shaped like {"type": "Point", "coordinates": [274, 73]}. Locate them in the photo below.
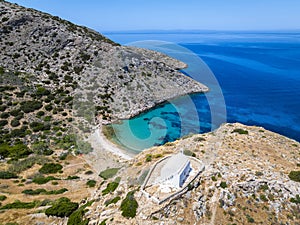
{"type": "Point", "coordinates": [259, 77]}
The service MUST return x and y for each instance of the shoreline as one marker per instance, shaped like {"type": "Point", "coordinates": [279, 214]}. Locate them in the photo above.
{"type": "Point", "coordinates": [112, 147]}
{"type": "Point", "coordinates": [147, 109]}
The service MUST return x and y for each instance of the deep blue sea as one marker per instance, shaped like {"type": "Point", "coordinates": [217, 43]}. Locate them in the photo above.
{"type": "Point", "coordinates": [257, 73]}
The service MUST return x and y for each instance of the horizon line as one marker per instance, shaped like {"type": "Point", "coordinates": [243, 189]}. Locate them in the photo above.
{"type": "Point", "coordinates": [196, 30]}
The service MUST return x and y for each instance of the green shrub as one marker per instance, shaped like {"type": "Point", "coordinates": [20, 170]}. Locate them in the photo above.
{"type": "Point", "coordinates": [223, 184]}
{"type": "Point", "coordinates": [72, 178]}
{"type": "Point", "coordinates": [76, 218]}
{"type": "Point", "coordinates": [263, 198]}
{"type": "Point", "coordinates": [4, 115]}
{"type": "Point", "coordinates": [15, 123]}
{"type": "Point", "coordinates": [111, 187]}
{"type": "Point", "coordinates": [103, 222]}
{"type": "Point", "coordinates": [41, 91]}
{"type": "Point", "coordinates": [43, 191]}
{"type": "Point", "coordinates": [22, 165]}
{"type": "Point", "coordinates": [240, 131]}
{"type": "Point", "coordinates": [91, 183]}
{"type": "Point", "coordinates": [30, 106]}
{"type": "Point", "coordinates": [112, 201]}
{"type": "Point", "coordinates": [148, 158]}
{"type": "Point", "coordinates": [36, 126]}
{"type": "Point", "coordinates": [41, 148]}
{"type": "Point", "coordinates": [129, 205]}
{"type": "Point", "coordinates": [7, 175]}
{"type": "Point", "coordinates": [109, 173]}
{"type": "Point", "coordinates": [3, 123]}
{"type": "Point", "coordinates": [296, 199]}
{"type": "Point", "coordinates": [15, 112]}
{"type": "Point", "coordinates": [2, 197]}
{"type": "Point", "coordinates": [19, 151]}
{"type": "Point", "coordinates": [189, 153]}
{"type": "Point", "coordinates": [295, 176]}
{"type": "Point", "coordinates": [43, 180]}
{"type": "Point", "coordinates": [249, 219]}
{"type": "Point", "coordinates": [63, 207]}
{"type": "Point", "coordinates": [20, 205]}
{"type": "Point", "coordinates": [50, 168]}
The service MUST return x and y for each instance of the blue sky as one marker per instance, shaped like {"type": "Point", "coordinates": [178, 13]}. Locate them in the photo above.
{"type": "Point", "coordinates": [121, 15]}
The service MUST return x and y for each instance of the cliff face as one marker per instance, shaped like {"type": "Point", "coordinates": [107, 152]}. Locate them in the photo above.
{"type": "Point", "coordinates": [120, 81]}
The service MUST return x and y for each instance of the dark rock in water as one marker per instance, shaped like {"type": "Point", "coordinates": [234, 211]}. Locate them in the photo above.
{"type": "Point", "coordinates": [158, 126]}
{"type": "Point", "coordinates": [146, 119]}
{"type": "Point", "coordinates": [170, 113]}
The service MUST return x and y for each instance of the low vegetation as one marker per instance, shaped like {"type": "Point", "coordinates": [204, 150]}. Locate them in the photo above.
{"type": "Point", "coordinates": [109, 173]}
{"type": "Point", "coordinates": [62, 207]}
{"type": "Point", "coordinates": [20, 205]}
{"type": "Point", "coordinates": [7, 175]}
{"type": "Point", "coordinates": [111, 187]}
{"type": "Point", "coordinates": [240, 131]}
{"type": "Point", "coordinates": [44, 191]}
{"type": "Point", "coordinates": [91, 183]}
{"type": "Point", "coordinates": [50, 168]}
{"type": "Point", "coordinates": [295, 176]}
{"type": "Point", "coordinates": [43, 180]}
{"type": "Point", "coordinates": [76, 218]}
{"type": "Point", "coordinates": [129, 205]}
{"type": "Point", "coordinates": [112, 201]}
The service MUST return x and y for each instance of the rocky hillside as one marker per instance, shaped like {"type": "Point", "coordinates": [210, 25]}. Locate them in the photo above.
{"type": "Point", "coordinates": [119, 81]}
{"type": "Point", "coordinates": [248, 179]}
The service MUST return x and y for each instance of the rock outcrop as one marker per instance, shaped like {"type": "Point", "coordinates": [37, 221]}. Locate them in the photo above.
{"type": "Point", "coordinates": [119, 81]}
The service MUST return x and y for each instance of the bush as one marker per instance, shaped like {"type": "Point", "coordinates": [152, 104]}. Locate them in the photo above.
{"type": "Point", "coordinates": [109, 173]}
{"type": "Point", "coordinates": [50, 168]}
{"type": "Point", "coordinates": [19, 151]}
{"type": "Point", "coordinates": [22, 165]}
{"type": "Point", "coordinates": [76, 218]}
{"type": "Point", "coordinates": [111, 187]}
{"type": "Point", "coordinates": [15, 151]}
{"type": "Point", "coordinates": [250, 219]}
{"type": "Point", "coordinates": [43, 180]}
{"type": "Point", "coordinates": [91, 183]}
{"type": "Point", "coordinates": [295, 176]}
{"type": "Point", "coordinates": [30, 106]}
{"type": "Point", "coordinates": [189, 153]}
{"type": "Point", "coordinates": [3, 123]}
{"type": "Point", "coordinates": [73, 177]}
{"type": "Point", "coordinates": [296, 199]}
{"type": "Point", "coordinates": [129, 205]}
{"type": "Point", "coordinates": [4, 115]}
{"type": "Point", "coordinates": [240, 131]}
{"type": "Point", "coordinates": [112, 201]}
{"type": "Point", "coordinates": [45, 192]}
{"type": "Point", "coordinates": [263, 197]}
{"type": "Point", "coordinates": [2, 197]}
{"type": "Point", "coordinates": [223, 184]}
{"type": "Point", "coordinates": [15, 123]}
{"type": "Point", "coordinates": [148, 158]}
{"type": "Point", "coordinates": [63, 207]}
{"type": "Point", "coordinates": [7, 175]}
{"type": "Point", "coordinates": [41, 91]}
{"type": "Point", "coordinates": [20, 205]}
